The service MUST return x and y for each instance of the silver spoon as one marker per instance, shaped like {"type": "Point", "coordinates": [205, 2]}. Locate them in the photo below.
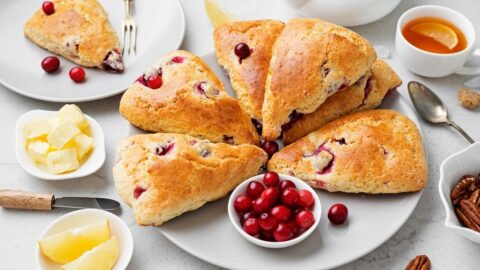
{"type": "Point", "coordinates": [431, 108]}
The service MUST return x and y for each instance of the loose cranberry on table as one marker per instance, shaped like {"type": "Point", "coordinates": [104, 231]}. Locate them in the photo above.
{"type": "Point", "coordinates": [48, 8]}
{"type": "Point", "coordinates": [271, 147]}
{"type": "Point", "coordinates": [338, 213]}
{"type": "Point", "coordinates": [271, 179]}
{"type": "Point", "coordinates": [305, 198]}
{"type": "Point", "coordinates": [77, 74]}
{"type": "Point", "coordinates": [242, 51]}
{"type": "Point", "coordinates": [242, 203]}
{"type": "Point", "coordinates": [50, 64]}
{"type": "Point", "coordinates": [254, 189]}
{"type": "Point", "coordinates": [154, 81]}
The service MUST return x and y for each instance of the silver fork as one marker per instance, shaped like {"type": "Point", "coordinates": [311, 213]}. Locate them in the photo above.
{"type": "Point", "coordinates": [129, 27]}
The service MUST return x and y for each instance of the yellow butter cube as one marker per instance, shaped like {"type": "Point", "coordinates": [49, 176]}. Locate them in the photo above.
{"type": "Point", "coordinates": [72, 113]}
{"type": "Point", "coordinates": [62, 161]}
{"type": "Point", "coordinates": [37, 128]}
{"type": "Point", "coordinates": [84, 144]}
{"type": "Point", "coordinates": [62, 134]}
{"type": "Point", "coordinates": [38, 151]}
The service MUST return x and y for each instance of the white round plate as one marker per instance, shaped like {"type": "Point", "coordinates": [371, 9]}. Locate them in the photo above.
{"type": "Point", "coordinates": [208, 234]}
{"type": "Point", "coordinates": [161, 27]}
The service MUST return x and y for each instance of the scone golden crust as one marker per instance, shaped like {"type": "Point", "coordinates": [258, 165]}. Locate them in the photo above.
{"type": "Point", "coordinates": [164, 175]}
{"type": "Point", "coordinates": [376, 151]}
{"type": "Point", "coordinates": [248, 76]}
{"type": "Point", "coordinates": [311, 61]}
{"type": "Point", "coordinates": [366, 94]}
{"type": "Point", "coordinates": [79, 31]}
{"type": "Point", "coordinates": [191, 101]}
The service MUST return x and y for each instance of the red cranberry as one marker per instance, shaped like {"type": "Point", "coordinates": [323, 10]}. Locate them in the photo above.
{"type": "Point", "coordinates": [271, 147]}
{"type": "Point", "coordinates": [163, 150]}
{"type": "Point", "coordinates": [242, 51]}
{"type": "Point", "coordinates": [281, 213]}
{"type": "Point", "coordinates": [77, 74]}
{"type": "Point", "coordinates": [137, 192]}
{"type": "Point", "coordinates": [271, 179]}
{"type": "Point", "coordinates": [48, 8]}
{"type": "Point", "coordinates": [271, 195]}
{"type": "Point", "coordinates": [178, 59]}
{"type": "Point", "coordinates": [50, 64]}
{"type": "Point", "coordinates": [242, 203]}
{"type": "Point", "coordinates": [267, 235]}
{"type": "Point", "coordinates": [267, 222]}
{"type": "Point", "coordinates": [251, 226]}
{"type": "Point", "coordinates": [260, 205]}
{"type": "Point", "coordinates": [290, 196]}
{"type": "Point", "coordinates": [286, 184]}
{"type": "Point", "coordinates": [282, 233]}
{"type": "Point", "coordinates": [338, 213]}
{"type": "Point", "coordinates": [246, 216]}
{"type": "Point", "coordinates": [154, 81]}
{"type": "Point", "coordinates": [294, 227]}
{"type": "Point", "coordinates": [254, 189]}
{"type": "Point", "coordinates": [305, 198]}
{"type": "Point", "coordinates": [305, 219]}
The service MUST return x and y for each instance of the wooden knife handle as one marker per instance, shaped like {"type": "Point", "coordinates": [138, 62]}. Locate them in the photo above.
{"type": "Point", "coordinates": [25, 200]}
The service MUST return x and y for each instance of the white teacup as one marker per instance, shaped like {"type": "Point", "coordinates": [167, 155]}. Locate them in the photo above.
{"type": "Point", "coordinates": [434, 64]}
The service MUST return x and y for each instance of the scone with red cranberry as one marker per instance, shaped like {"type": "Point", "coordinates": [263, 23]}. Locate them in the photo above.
{"type": "Point", "coordinates": [366, 94]}
{"type": "Point", "coordinates": [311, 60]}
{"type": "Point", "coordinates": [244, 50]}
{"type": "Point", "coordinates": [180, 94]}
{"type": "Point", "coordinates": [79, 31]}
{"type": "Point", "coordinates": [376, 151]}
{"type": "Point", "coordinates": [164, 175]}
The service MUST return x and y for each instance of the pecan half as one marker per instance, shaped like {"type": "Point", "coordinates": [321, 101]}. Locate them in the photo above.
{"type": "Point", "coordinates": [475, 197]}
{"type": "Point", "coordinates": [463, 189]}
{"type": "Point", "coordinates": [469, 214]}
{"type": "Point", "coordinates": [420, 262]}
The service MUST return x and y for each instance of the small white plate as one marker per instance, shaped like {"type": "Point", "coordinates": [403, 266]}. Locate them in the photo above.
{"type": "Point", "coordinates": [242, 189]}
{"type": "Point", "coordinates": [91, 165]}
{"type": "Point", "coordinates": [452, 169]}
{"type": "Point", "coordinates": [118, 228]}
{"type": "Point", "coordinates": [161, 27]}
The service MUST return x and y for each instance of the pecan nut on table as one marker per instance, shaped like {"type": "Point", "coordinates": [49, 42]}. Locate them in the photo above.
{"type": "Point", "coordinates": [465, 197]}
{"type": "Point", "coordinates": [420, 262]}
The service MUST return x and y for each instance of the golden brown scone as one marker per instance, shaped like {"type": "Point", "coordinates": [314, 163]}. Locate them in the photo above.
{"type": "Point", "coordinates": [311, 61]}
{"type": "Point", "coordinates": [376, 151]}
{"type": "Point", "coordinates": [165, 175]}
{"type": "Point", "coordinates": [79, 31]}
{"type": "Point", "coordinates": [191, 101]}
{"type": "Point", "coordinates": [248, 76]}
{"type": "Point", "coordinates": [366, 94]}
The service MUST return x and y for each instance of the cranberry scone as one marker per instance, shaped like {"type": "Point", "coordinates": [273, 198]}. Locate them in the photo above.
{"type": "Point", "coordinates": [244, 50]}
{"type": "Point", "coordinates": [376, 151]}
{"type": "Point", "coordinates": [79, 31]}
{"type": "Point", "coordinates": [163, 175]}
{"type": "Point", "coordinates": [180, 94]}
{"type": "Point", "coordinates": [311, 60]}
{"type": "Point", "coordinates": [366, 94]}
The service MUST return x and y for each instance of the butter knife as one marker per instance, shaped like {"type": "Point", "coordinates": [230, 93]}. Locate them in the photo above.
{"type": "Point", "coordinates": [18, 199]}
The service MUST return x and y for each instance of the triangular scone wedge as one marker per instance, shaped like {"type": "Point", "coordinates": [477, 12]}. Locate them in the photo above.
{"type": "Point", "coordinates": [79, 31]}
{"type": "Point", "coordinates": [164, 175]}
{"type": "Point", "coordinates": [366, 94]}
{"type": "Point", "coordinates": [376, 151]}
{"type": "Point", "coordinates": [311, 61]}
{"type": "Point", "coordinates": [248, 76]}
{"type": "Point", "coordinates": [191, 101]}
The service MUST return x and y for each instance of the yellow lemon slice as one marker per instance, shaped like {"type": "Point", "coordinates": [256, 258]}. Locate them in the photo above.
{"type": "Point", "coordinates": [66, 246]}
{"type": "Point", "coordinates": [216, 14]}
{"type": "Point", "coordinates": [439, 32]}
{"type": "Point", "coordinates": [102, 257]}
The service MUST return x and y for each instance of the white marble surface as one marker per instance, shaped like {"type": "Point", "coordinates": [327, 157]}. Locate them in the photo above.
{"type": "Point", "coordinates": [423, 233]}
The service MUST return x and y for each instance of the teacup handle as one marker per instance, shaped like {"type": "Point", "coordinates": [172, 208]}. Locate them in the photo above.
{"type": "Point", "coordinates": [475, 70]}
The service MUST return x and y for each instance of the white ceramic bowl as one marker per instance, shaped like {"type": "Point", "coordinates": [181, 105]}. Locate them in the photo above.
{"type": "Point", "coordinates": [345, 12]}
{"type": "Point", "coordinates": [91, 165]}
{"type": "Point", "coordinates": [452, 169]}
{"type": "Point", "coordinates": [118, 228]}
{"type": "Point", "coordinates": [242, 189]}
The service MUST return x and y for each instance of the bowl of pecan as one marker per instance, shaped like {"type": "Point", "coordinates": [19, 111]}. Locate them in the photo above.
{"type": "Point", "coordinates": [459, 188]}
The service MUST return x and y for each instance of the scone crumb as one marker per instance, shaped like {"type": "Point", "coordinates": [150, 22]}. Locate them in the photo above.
{"type": "Point", "coordinates": [468, 98]}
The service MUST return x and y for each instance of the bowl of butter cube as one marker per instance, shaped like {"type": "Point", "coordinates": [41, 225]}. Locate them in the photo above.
{"type": "Point", "coordinates": [59, 145]}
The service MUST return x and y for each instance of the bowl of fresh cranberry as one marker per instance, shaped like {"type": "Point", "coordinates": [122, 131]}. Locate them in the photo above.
{"type": "Point", "coordinates": [274, 210]}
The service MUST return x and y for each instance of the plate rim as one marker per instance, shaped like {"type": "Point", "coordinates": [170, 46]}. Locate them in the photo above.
{"type": "Point", "coordinates": [93, 97]}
